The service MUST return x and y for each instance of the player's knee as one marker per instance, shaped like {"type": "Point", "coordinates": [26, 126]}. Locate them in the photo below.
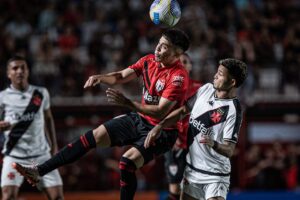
{"type": "Point", "coordinates": [101, 136]}
{"type": "Point", "coordinates": [54, 193]}
{"type": "Point", "coordinates": [134, 155]}
{"type": "Point", "coordinates": [8, 195]}
{"type": "Point", "coordinates": [57, 195]}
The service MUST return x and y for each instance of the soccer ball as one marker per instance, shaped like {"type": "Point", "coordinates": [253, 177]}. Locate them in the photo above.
{"type": "Point", "coordinates": [165, 12]}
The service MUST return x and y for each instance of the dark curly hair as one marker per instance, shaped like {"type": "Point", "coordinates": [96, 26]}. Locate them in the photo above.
{"type": "Point", "coordinates": [237, 69]}
{"type": "Point", "coordinates": [178, 38]}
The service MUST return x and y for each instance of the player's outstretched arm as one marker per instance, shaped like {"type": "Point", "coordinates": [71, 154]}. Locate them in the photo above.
{"type": "Point", "coordinates": [171, 119]}
{"type": "Point", "coordinates": [112, 78]}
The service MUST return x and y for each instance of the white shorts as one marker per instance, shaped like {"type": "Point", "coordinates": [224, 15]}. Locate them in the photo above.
{"type": "Point", "coordinates": [205, 191]}
{"type": "Point", "coordinates": [10, 176]}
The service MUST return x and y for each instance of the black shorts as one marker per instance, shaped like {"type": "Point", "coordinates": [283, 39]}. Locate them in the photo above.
{"type": "Point", "coordinates": [132, 129]}
{"type": "Point", "coordinates": [174, 165]}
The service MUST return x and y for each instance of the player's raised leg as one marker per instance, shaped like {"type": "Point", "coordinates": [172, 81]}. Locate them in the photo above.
{"type": "Point", "coordinates": [70, 153]}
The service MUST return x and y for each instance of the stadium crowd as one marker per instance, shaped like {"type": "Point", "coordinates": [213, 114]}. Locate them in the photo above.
{"type": "Point", "coordinates": [263, 162]}
{"type": "Point", "coordinates": [66, 41]}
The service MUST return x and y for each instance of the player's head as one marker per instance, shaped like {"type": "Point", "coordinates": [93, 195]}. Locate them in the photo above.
{"type": "Point", "coordinates": [172, 43]}
{"type": "Point", "coordinates": [17, 71]}
{"type": "Point", "coordinates": [231, 73]}
{"type": "Point", "coordinates": [186, 61]}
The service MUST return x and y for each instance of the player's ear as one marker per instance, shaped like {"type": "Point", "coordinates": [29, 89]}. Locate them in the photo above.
{"type": "Point", "coordinates": [7, 72]}
{"type": "Point", "coordinates": [178, 51]}
{"type": "Point", "coordinates": [233, 82]}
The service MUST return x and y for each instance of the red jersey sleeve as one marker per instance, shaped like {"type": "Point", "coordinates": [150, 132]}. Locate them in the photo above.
{"type": "Point", "coordinates": [139, 65]}
{"type": "Point", "coordinates": [177, 86]}
{"type": "Point", "coordinates": [193, 88]}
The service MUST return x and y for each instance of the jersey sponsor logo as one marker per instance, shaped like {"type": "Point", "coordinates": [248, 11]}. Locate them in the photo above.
{"type": "Point", "coordinates": [151, 99]}
{"type": "Point", "coordinates": [201, 127]}
{"type": "Point", "coordinates": [26, 117]}
{"type": "Point", "coordinates": [177, 80]}
{"type": "Point", "coordinates": [160, 84]}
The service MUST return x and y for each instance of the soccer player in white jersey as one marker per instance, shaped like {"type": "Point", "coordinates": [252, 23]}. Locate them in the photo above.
{"type": "Point", "coordinates": [24, 115]}
{"type": "Point", "coordinates": [214, 125]}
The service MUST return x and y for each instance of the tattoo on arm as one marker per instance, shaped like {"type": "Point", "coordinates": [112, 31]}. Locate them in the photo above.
{"type": "Point", "coordinates": [225, 149]}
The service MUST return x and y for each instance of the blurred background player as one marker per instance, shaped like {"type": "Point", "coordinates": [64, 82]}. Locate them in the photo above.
{"type": "Point", "coordinates": [175, 159]}
{"type": "Point", "coordinates": [165, 85]}
{"type": "Point", "coordinates": [214, 124]}
{"type": "Point", "coordinates": [25, 116]}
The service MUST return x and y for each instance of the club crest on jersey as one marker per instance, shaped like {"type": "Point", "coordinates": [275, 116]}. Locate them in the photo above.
{"type": "Point", "coordinates": [37, 100]}
{"type": "Point", "coordinates": [11, 175]}
{"type": "Point", "coordinates": [216, 116]}
{"type": "Point", "coordinates": [160, 84]}
{"type": "Point", "coordinates": [173, 169]}
{"type": "Point", "coordinates": [177, 80]}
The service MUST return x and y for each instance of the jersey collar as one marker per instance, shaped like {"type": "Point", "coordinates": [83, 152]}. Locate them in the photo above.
{"type": "Point", "coordinates": [16, 90]}
{"type": "Point", "coordinates": [223, 99]}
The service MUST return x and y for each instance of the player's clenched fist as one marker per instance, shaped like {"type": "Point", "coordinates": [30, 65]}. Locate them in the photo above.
{"type": "Point", "coordinates": [4, 125]}
{"type": "Point", "coordinates": [205, 139]}
{"type": "Point", "coordinates": [92, 81]}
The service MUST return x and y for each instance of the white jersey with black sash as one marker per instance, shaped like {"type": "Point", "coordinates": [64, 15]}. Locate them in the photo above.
{"type": "Point", "coordinates": [221, 120]}
{"type": "Point", "coordinates": [25, 111]}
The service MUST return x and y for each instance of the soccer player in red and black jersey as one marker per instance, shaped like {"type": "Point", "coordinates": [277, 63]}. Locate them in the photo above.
{"type": "Point", "coordinates": [165, 85]}
{"type": "Point", "coordinates": [175, 158]}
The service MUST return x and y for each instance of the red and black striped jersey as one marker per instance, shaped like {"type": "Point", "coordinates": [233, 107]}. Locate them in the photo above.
{"type": "Point", "coordinates": [170, 82]}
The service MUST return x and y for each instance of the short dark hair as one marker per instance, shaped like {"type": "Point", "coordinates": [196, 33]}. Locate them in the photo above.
{"type": "Point", "coordinates": [237, 69]}
{"type": "Point", "coordinates": [14, 58]}
{"type": "Point", "coordinates": [178, 38]}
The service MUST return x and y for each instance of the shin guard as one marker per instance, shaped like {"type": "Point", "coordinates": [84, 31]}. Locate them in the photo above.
{"type": "Point", "coordinates": [128, 182]}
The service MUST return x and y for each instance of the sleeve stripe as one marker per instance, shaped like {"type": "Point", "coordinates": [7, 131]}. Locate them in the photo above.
{"type": "Point", "coordinates": [146, 74]}
{"type": "Point", "coordinates": [238, 119]}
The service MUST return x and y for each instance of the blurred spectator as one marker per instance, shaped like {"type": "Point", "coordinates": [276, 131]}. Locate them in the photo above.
{"type": "Point", "coordinates": [18, 28]}
{"type": "Point", "coordinates": [264, 33]}
{"type": "Point", "coordinates": [292, 168]}
{"type": "Point", "coordinates": [68, 40]}
{"type": "Point", "coordinates": [47, 17]}
{"type": "Point", "coordinates": [277, 168]}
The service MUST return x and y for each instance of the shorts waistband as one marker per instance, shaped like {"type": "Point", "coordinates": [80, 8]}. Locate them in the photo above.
{"type": "Point", "coordinates": [207, 172]}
